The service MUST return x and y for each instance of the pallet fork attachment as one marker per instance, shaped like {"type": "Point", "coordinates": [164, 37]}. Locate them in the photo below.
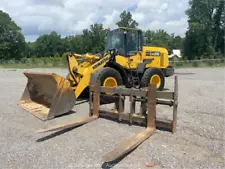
{"type": "Point", "coordinates": [149, 98]}
{"type": "Point", "coordinates": [75, 123]}
{"type": "Point", "coordinates": [130, 144]}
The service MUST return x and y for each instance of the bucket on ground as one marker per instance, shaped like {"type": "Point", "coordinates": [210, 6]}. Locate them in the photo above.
{"type": "Point", "coordinates": [47, 95]}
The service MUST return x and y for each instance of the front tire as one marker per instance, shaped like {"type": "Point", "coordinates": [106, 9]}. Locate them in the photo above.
{"type": "Point", "coordinates": [108, 77]}
{"type": "Point", "coordinates": [154, 76]}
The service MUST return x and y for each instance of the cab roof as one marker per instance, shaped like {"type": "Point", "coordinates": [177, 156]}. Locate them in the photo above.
{"type": "Point", "coordinates": [127, 28]}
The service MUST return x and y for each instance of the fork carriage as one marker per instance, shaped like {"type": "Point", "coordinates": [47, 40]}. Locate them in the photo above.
{"type": "Point", "coordinates": [148, 97]}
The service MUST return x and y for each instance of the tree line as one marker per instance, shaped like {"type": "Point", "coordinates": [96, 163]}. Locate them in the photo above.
{"type": "Point", "coordinates": [203, 39]}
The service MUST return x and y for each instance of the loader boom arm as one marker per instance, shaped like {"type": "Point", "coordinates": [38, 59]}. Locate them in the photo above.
{"type": "Point", "coordinates": [80, 74]}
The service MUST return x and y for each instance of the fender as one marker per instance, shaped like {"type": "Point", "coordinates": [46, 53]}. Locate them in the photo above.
{"type": "Point", "coordinates": [120, 69]}
{"type": "Point", "coordinates": [141, 67]}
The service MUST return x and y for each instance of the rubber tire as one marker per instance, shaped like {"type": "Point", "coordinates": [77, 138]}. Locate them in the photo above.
{"type": "Point", "coordinates": [101, 75]}
{"type": "Point", "coordinates": [147, 76]}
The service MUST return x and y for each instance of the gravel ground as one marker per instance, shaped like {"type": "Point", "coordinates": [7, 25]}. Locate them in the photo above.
{"type": "Point", "coordinates": [198, 143]}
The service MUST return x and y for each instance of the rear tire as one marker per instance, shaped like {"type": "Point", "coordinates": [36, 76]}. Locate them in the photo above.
{"type": "Point", "coordinates": [114, 79]}
{"type": "Point", "coordinates": [154, 76]}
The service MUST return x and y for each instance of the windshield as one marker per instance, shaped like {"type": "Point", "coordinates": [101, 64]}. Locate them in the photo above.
{"type": "Point", "coordinates": [132, 41]}
{"type": "Point", "coordinates": [115, 40]}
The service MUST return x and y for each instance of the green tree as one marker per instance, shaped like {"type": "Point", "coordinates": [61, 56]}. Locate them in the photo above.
{"type": "Point", "coordinates": [158, 38]}
{"type": "Point", "coordinates": [204, 19]}
{"type": "Point", "coordinates": [93, 38]}
{"type": "Point", "coordinates": [163, 39]}
{"type": "Point", "coordinates": [12, 42]}
{"type": "Point", "coordinates": [87, 40]}
{"type": "Point", "coordinates": [30, 49]}
{"type": "Point", "coordinates": [49, 45]}
{"type": "Point", "coordinates": [74, 44]}
{"type": "Point", "coordinates": [218, 28]}
{"type": "Point", "coordinates": [98, 35]}
{"type": "Point", "coordinates": [176, 42]}
{"type": "Point", "coordinates": [126, 20]}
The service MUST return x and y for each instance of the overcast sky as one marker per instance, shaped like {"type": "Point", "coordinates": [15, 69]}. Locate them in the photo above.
{"type": "Point", "coordinates": [69, 17]}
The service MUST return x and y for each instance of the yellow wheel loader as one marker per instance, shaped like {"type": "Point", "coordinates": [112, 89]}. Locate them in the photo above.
{"type": "Point", "coordinates": [126, 61]}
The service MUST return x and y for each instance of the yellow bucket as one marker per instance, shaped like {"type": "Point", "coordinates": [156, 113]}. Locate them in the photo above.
{"type": "Point", "coordinates": [47, 95]}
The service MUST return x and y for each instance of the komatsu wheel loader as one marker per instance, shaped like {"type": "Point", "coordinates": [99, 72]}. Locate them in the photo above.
{"type": "Point", "coordinates": [126, 61]}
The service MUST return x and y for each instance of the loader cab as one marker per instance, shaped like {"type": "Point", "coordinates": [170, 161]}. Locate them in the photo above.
{"type": "Point", "coordinates": [127, 41]}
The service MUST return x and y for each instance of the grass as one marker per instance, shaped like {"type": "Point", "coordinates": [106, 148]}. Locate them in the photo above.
{"type": "Point", "coordinates": [34, 62]}
{"type": "Point", "coordinates": [31, 66]}
{"type": "Point", "coordinates": [61, 64]}
{"type": "Point", "coordinates": [198, 64]}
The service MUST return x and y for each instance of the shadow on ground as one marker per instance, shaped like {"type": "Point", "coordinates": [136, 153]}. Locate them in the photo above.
{"type": "Point", "coordinates": [184, 73]}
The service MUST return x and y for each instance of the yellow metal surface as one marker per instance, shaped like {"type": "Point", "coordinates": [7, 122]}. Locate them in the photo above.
{"type": "Point", "coordinates": [86, 68]}
{"type": "Point", "coordinates": [129, 63]}
{"type": "Point", "coordinates": [132, 62]}
{"type": "Point", "coordinates": [81, 73]}
{"type": "Point", "coordinates": [86, 73]}
{"type": "Point", "coordinates": [161, 61]}
{"type": "Point", "coordinates": [110, 82]}
{"type": "Point", "coordinates": [72, 64]}
{"type": "Point", "coordinates": [47, 95]}
{"type": "Point", "coordinates": [155, 79]}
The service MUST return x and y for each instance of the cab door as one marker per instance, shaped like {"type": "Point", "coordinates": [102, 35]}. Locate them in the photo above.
{"type": "Point", "coordinates": [133, 48]}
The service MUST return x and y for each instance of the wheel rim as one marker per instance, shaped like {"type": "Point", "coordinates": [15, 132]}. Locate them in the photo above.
{"type": "Point", "coordinates": [110, 82]}
{"type": "Point", "coordinates": [155, 79]}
